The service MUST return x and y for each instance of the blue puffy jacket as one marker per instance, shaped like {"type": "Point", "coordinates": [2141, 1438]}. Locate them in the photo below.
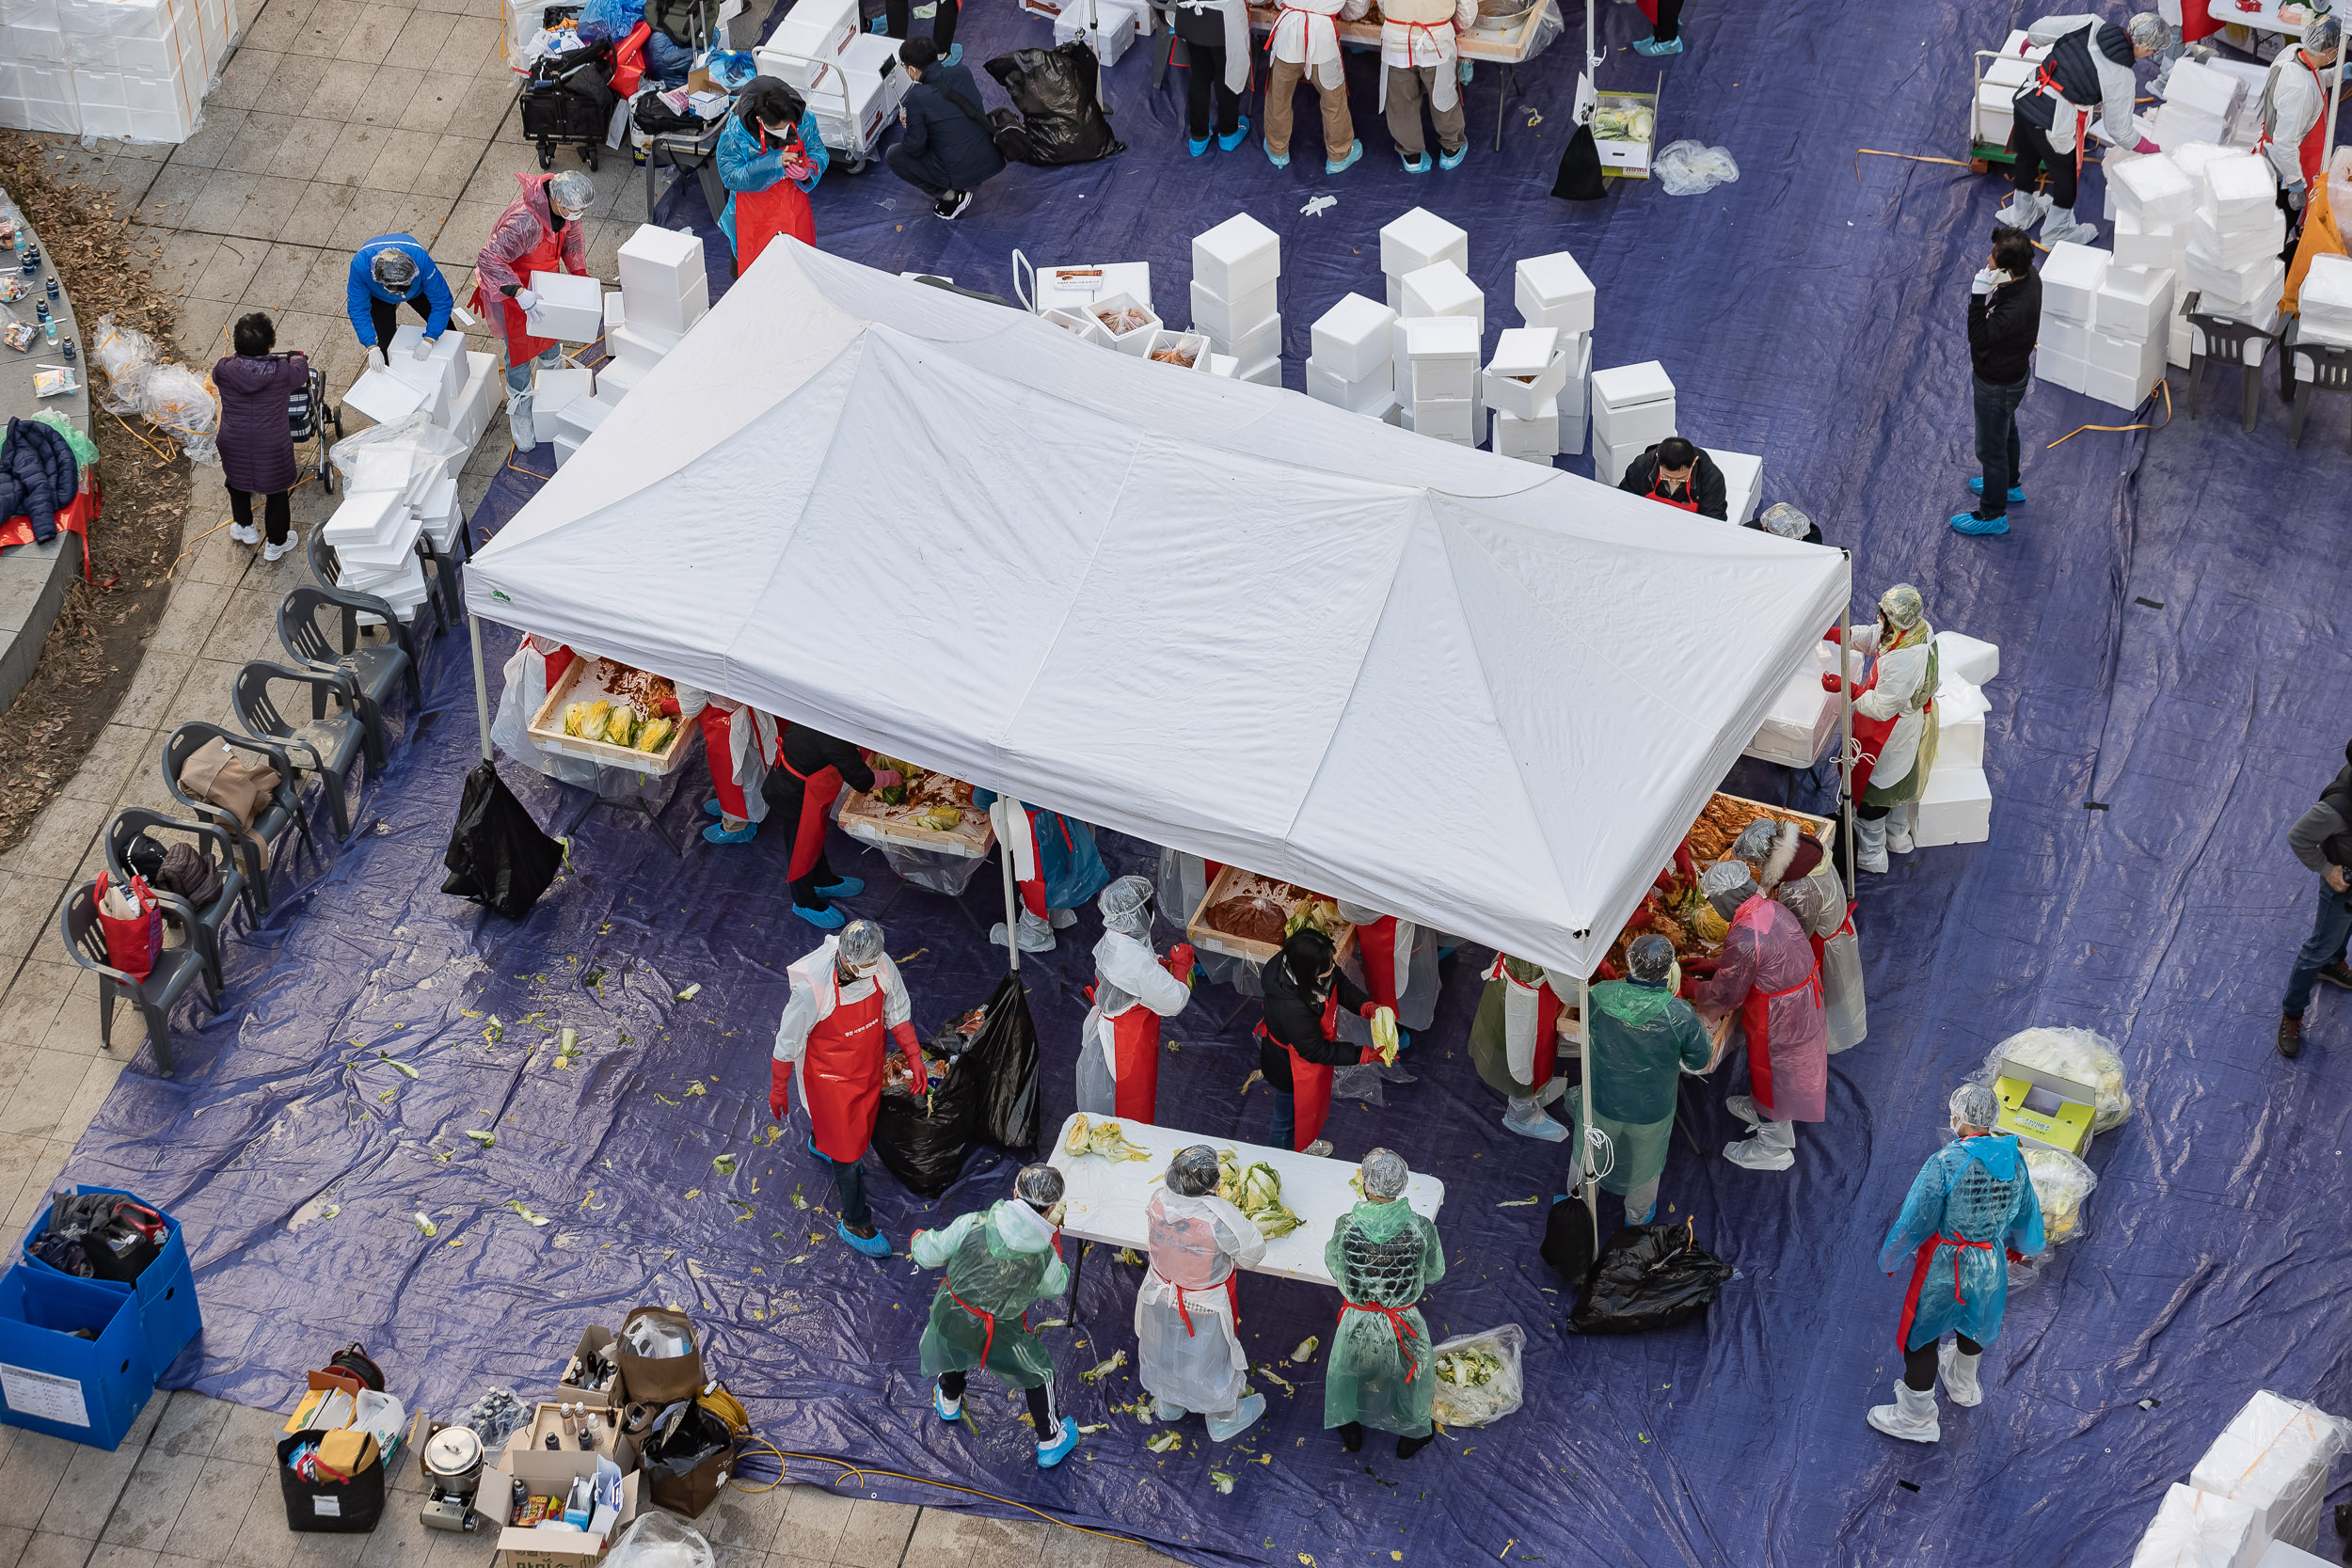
{"type": "Point", "coordinates": [360, 287]}
{"type": "Point", "coordinates": [39, 478]}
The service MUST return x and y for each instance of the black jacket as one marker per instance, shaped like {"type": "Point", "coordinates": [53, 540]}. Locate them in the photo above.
{"type": "Point", "coordinates": [2003, 327]}
{"type": "Point", "coordinates": [807, 751]}
{"type": "Point", "coordinates": [1294, 1020]}
{"type": "Point", "coordinates": [1706, 482]}
{"type": "Point", "coordinates": [957, 145]}
{"type": "Point", "coordinates": [2322, 837]}
{"type": "Point", "coordinates": [39, 478]}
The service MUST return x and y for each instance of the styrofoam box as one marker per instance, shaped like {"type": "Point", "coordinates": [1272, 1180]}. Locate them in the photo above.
{"type": "Point", "coordinates": [1420, 239]}
{"type": "Point", "coordinates": [674, 314]}
{"type": "Point", "coordinates": [1610, 462]}
{"type": "Point", "coordinates": [2125, 356]}
{"type": "Point", "coordinates": [1195, 343]}
{"type": "Point", "coordinates": [581, 416]}
{"type": "Point", "coordinates": [1961, 657]}
{"type": "Point", "coordinates": [615, 310]}
{"type": "Point", "coordinates": [1367, 394]}
{"type": "Point", "coordinates": [2151, 190]}
{"type": "Point", "coordinates": [1076, 285]}
{"type": "Point", "coordinates": [1626, 386]}
{"type": "Point", "coordinates": [2119, 388]}
{"type": "Point", "coordinates": [2138, 246]}
{"type": "Point", "coordinates": [385, 397]}
{"type": "Point", "coordinates": [1081, 326]}
{"type": "Point", "coordinates": [2268, 1457]}
{"type": "Point", "coordinates": [1227, 319]}
{"type": "Point", "coordinates": [1444, 290]}
{"type": "Point", "coordinates": [1225, 365]}
{"type": "Point", "coordinates": [1455, 338]}
{"type": "Point", "coordinates": [564, 445]}
{"type": "Point", "coordinates": [1447, 416]}
{"type": "Point", "coordinates": [1636, 425]}
{"type": "Point", "coordinates": [2326, 289]}
{"type": "Point", "coordinates": [657, 262]}
{"type": "Point", "coordinates": [444, 368]}
{"type": "Point", "coordinates": [2192, 1526]}
{"type": "Point", "coordinates": [2179, 341]}
{"type": "Point", "coordinates": [1423, 379]}
{"type": "Point", "coordinates": [439, 503]}
{"type": "Point", "coordinates": [367, 517]}
{"type": "Point", "coordinates": [1268, 374]}
{"type": "Point", "coordinates": [1395, 295]}
{"type": "Point", "coordinates": [2195, 85]}
{"type": "Point", "coordinates": [2238, 292]}
{"type": "Point", "coordinates": [619, 378]}
{"type": "Point", "coordinates": [1260, 344]}
{"type": "Point", "coordinates": [1524, 377]}
{"type": "Point", "coordinates": [1572, 433]}
{"type": "Point", "coordinates": [1959, 737]}
{"type": "Point", "coordinates": [1134, 339]}
{"type": "Point", "coordinates": [1354, 338]}
{"type": "Point", "coordinates": [570, 308]}
{"type": "Point", "coordinates": [2060, 370]}
{"type": "Point", "coordinates": [2240, 185]}
{"type": "Point", "coordinates": [1237, 256]}
{"type": "Point", "coordinates": [1575, 392]}
{"type": "Point", "coordinates": [383, 554]}
{"type": "Point", "coordinates": [551, 390]}
{"type": "Point", "coordinates": [2187, 126]}
{"type": "Point", "coordinates": [1537, 440]}
{"type": "Point", "coordinates": [2246, 241]}
{"type": "Point", "coordinates": [817, 32]}
{"type": "Point", "coordinates": [1743, 483]}
{"type": "Point", "coordinates": [2279, 1554]}
{"type": "Point", "coordinates": [638, 345]}
{"type": "Point", "coordinates": [1955, 808]}
{"type": "Point", "coordinates": [2071, 280]}
{"type": "Point", "coordinates": [1552, 291]}
{"type": "Point", "coordinates": [1114, 28]}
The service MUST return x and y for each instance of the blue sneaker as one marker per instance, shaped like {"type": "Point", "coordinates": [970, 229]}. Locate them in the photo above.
{"type": "Point", "coordinates": [1053, 1453]}
{"type": "Point", "coordinates": [824, 920]}
{"type": "Point", "coordinates": [943, 1407]}
{"type": "Point", "coordinates": [1420, 165]}
{"type": "Point", "coordinates": [1241, 135]}
{"type": "Point", "coordinates": [1354, 150]}
{"type": "Point", "coordinates": [1969, 523]}
{"type": "Point", "coordinates": [876, 1245]}
{"type": "Point", "coordinates": [715, 809]}
{"type": "Point", "coordinates": [1279, 160]}
{"type": "Point", "coordinates": [955, 53]}
{"type": "Point", "coordinates": [717, 834]}
{"type": "Point", "coordinates": [1453, 158]}
{"type": "Point", "coordinates": [1656, 50]}
{"type": "Point", "coordinates": [880, 25]}
{"type": "Point", "coordinates": [2016, 492]}
{"type": "Point", "coordinates": [1197, 147]}
{"type": "Point", "coordinates": [848, 887]}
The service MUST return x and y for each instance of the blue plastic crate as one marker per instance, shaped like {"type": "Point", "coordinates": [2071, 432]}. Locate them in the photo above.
{"type": "Point", "coordinates": [166, 1288]}
{"type": "Point", "coordinates": [82, 1390]}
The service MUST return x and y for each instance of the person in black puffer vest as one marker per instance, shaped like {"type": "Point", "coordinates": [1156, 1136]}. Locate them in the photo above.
{"type": "Point", "coordinates": [2087, 71]}
{"type": "Point", "coordinates": [2322, 840]}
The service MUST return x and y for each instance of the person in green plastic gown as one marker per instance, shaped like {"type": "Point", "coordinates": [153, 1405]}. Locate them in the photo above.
{"type": "Point", "coordinates": [999, 1260]}
{"type": "Point", "coordinates": [1513, 1043]}
{"type": "Point", "coordinates": [1383, 1257]}
{"type": "Point", "coordinates": [1644, 1037]}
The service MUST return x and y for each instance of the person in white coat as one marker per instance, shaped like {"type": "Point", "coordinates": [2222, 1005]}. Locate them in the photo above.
{"type": "Point", "coordinates": [1118, 1048]}
{"type": "Point", "coordinates": [1792, 867]}
{"type": "Point", "coordinates": [1187, 1315]}
{"type": "Point", "coordinates": [2294, 100]}
{"type": "Point", "coordinates": [1419, 58]}
{"type": "Point", "coordinates": [1216, 35]}
{"type": "Point", "coordinates": [1306, 42]}
{"type": "Point", "coordinates": [1894, 725]}
{"type": "Point", "coordinates": [2087, 74]}
{"type": "Point", "coordinates": [738, 743]}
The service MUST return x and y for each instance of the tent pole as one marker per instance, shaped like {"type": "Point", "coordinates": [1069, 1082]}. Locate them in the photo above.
{"type": "Point", "coordinates": [1845, 743]}
{"type": "Point", "coordinates": [2335, 96]}
{"type": "Point", "coordinates": [1583, 1142]}
{"type": "Point", "coordinates": [1012, 898]}
{"type": "Point", "coordinates": [481, 684]}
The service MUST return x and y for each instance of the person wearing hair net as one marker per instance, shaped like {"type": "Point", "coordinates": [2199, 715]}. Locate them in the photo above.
{"type": "Point", "coordinates": [1791, 867]}
{"type": "Point", "coordinates": [1783, 521]}
{"type": "Point", "coordinates": [1767, 973]}
{"type": "Point", "coordinates": [1054, 865]}
{"type": "Point", "coordinates": [1119, 1047]}
{"type": "Point", "coordinates": [2087, 71]}
{"type": "Point", "coordinates": [1514, 1042]}
{"type": "Point", "coordinates": [386, 272]}
{"type": "Point", "coordinates": [1188, 1309]}
{"type": "Point", "coordinates": [999, 1260]}
{"type": "Point", "coordinates": [1298, 1039]}
{"type": "Point", "coordinates": [1182, 885]}
{"type": "Point", "coordinates": [771, 156]}
{"type": "Point", "coordinates": [2294, 104]}
{"type": "Point", "coordinates": [1970, 1211]}
{"type": "Point", "coordinates": [1894, 723]}
{"type": "Point", "coordinates": [845, 996]}
{"type": "Point", "coordinates": [1644, 1038]}
{"type": "Point", "coordinates": [1399, 964]}
{"type": "Point", "coordinates": [541, 231]}
{"type": "Point", "coordinates": [1383, 1257]}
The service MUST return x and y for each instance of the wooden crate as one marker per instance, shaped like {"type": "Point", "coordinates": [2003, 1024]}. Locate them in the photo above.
{"type": "Point", "coordinates": [1817, 826]}
{"type": "Point", "coordinates": [861, 819]}
{"type": "Point", "coordinates": [579, 685]}
{"type": "Point", "coordinates": [1207, 938]}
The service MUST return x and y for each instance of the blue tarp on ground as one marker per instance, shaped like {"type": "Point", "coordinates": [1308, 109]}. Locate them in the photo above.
{"type": "Point", "coordinates": [2169, 651]}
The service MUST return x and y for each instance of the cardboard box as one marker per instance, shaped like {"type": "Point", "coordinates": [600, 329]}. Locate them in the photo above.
{"type": "Point", "coordinates": [2071, 280]}
{"type": "Point", "coordinates": [1354, 338]}
{"type": "Point", "coordinates": [1422, 239]}
{"type": "Point", "coordinates": [1552, 291]}
{"type": "Point", "coordinates": [1236, 257]}
{"type": "Point", "coordinates": [657, 263]}
{"type": "Point", "coordinates": [570, 309]}
{"type": "Point", "coordinates": [1370, 394]}
{"type": "Point", "coordinates": [552, 1474]}
{"type": "Point", "coordinates": [1227, 319]}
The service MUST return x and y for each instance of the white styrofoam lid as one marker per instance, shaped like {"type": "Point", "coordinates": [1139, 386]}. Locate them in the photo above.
{"type": "Point", "coordinates": [1354, 318]}
{"type": "Point", "coordinates": [663, 246]}
{"type": "Point", "coordinates": [2136, 284]}
{"type": "Point", "coordinates": [1624, 386]}
{"type": "Point", "coordinates": [1423, 232]}
{"type": "Point", "coordinates": [1441, 337]}
{"type": "Point", "coordinates": [1554, 277]}
{"type": "Point", "coordinates": [2328, 282]}
{"type": "Point", "coordinates": [2075, 266]}
{"type": "Point", "coordinates": [2241, 179]}
{"type": "Point", "coordinates": [2153, 177]}
{"type": "Point", "coordinates": [1236, 239]}
{"type": "Point", "coordinates": [365, 510]}
{"type": "Point", "coordinates": [1525, 350]}
{"type": "Point", "coordinates": [1443, 285]}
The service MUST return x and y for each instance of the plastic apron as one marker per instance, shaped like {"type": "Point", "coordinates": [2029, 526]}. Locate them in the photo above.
{"type": "Point", "coordinates": [1875, 738]}
{"type": "Point", "coordinates": [1127, 1044]}
{"type": "Point", "coordinates": [1446, 91]}
{"type": "Point", "coordinates": [841, 1075]}
{"type": "Point", "coordinates": [1970, 1220]}
{"type": "Point", "coordinates": [1187, 1324]}
{"type": "Point", "coordinates": [1324, 68]}
{"type": "Point", "coordinates": [1786, 1085]}
{"type": "Point", "coordinates": [1818, 900]}
{"type": "Point", "coordinates": [737, 740]}
{"type": "Point", "coordinates": [817, 792]}
{"type": "Point", "coordinates": [1311, 1081]}
{"type": "Point", "coordinates": [1528, 1025]}
{"type": "Point", "coordinates": [547, 256]}
{"type": "Point", "coordinates": [761, 215]}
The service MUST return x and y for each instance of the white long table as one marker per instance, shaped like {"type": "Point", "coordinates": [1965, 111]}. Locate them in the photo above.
{"type": "Point", "coordinates": [1103, 1199]}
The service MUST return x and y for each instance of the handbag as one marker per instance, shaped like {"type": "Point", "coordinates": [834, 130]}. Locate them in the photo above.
{"type": "Point", "coordinates": [132, 919]}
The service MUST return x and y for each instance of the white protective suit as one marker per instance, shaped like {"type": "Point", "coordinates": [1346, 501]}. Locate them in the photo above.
{"type": "Point", "coordinates": [1126, 975]}
{"type": "Point", "coordinates": [1901, 693]}
{"type": "Point", "coordinates": [1235, 15]}
{"type": "Point", "coordinates": [737, 742]}
{"type": "Point", "coordinates": [1196, 1244]}
{"type": "Point", "coordinates": [1308, 34]}
{"type": "Point", "coordinates": [1421, 33]}
{"type": "Point", "coordinates": [1818, 900]}
{"type": "Point", "coordinates": [2293, 97]}
{"type": "Point", "coordinates": [2116, 85]}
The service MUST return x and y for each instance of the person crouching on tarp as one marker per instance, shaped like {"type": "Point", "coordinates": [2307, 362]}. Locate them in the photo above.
{"type": "Point", "coordinates": [1188, 1309]}
{"type": "Point", "coordinates": [999, 1260]}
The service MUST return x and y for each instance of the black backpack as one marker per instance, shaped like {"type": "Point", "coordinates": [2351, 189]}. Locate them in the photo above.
{"type": "Point", "coordinates": [680, 20]}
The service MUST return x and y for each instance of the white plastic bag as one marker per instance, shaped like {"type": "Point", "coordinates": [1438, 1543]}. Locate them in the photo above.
{"type": "Point", "coordinates": [2062, 1184]}
{"type": "Point", "coordinates": [180, 402]}
{"type": "Point", "coordinates": [660, 1540]}
{"type": "Point", "coordinates": [428, 446]}
{"type": "Point", "coordinates": [1691, 168]}
{"type": "Point", "coordinates": [1475, 1405]}
{"type": "Point", "coordinates": [2077, 1055]}
{"type": "Point", "coordinates": [2197, 1530]}
{"type": "Point", "coordinates": [126, 354]}
{"type": "Point", "coordinates": [2274, 1457]}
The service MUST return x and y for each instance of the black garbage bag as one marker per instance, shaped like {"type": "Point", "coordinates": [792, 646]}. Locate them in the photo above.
{"type": "Point", "coordinates": [924, 1138]}
{"type": "Point", "coordinates": [1061, 118]}
{"type": "Point", "coordinates": [1579, 177]}
{"type": "Point", "coordinates": [1647, 1276]}
{"type": "Point", "coordinates": [1568, 1240]}
{"type": "Point", "coordinates": [497, 856]}
{"type": "Point", "coordinates": [1005, 1051]}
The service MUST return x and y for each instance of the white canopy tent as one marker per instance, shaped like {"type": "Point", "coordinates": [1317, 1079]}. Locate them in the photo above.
{"type": "Point", "coordinates": [1482, 694]}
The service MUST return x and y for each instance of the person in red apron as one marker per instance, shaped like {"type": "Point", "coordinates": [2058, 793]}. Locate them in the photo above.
{"type": "Point", "coordinates": [1119, 1047]}
{"type": "Point", "coordinates": [1767, 973]}
{"type": "Point", "coordinates": [846, 997]}
{"type": "Point", "coordinates": [1895, 723]}
{"type": "Point", "coordinates": [811, 767]}
{"type": "Point", "coordinates": [1514, 1044]}
{"type": "Point", "coordinates": [771, 156]}
{"type": "Point", "coordinates": [2086, 71]}
{"type": "Point", "coordinates": [1791, 867]}
{"type": "Point", "coordinates": [539, 231]}
{"type": "Point", "coordinates": [1680, 474]}
{"type": "Point", "coordinates": [1383, 1257]}
{"type": "Point", "coordinates": [1298, 1042]}
{"type": "Point", "coordinates": [1970, 1211]}
{"type": "Point", "coordinates": [1399, 964]}
{"type": "Point", "coordinates": [539, 662]}
{"type": "Point", "coordinates": [1188, 1352]}
{"type": "Point", "coordinates": [739, 741]}
{"type": "Point", "coordinates": [2293, 115]}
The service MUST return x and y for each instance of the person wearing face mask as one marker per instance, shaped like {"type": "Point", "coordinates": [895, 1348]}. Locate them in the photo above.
{"type": "Point", "coordinates": [847, 996]}
{"type": "Point", "coordinates": [1644, 1038]}
{"type": "Point", "coordinates": [1383, 1257]}
{"type": "Point", "coordinates": [1767, 973]}
{"type": "Point", "coordinates": [539, 231]}
{"type": "Point", "coordinates": [1298, 1042]}
{"type": "Point", "coordinates": [999, 1260]}
{"type": "Point", "coordinates": [1894, 723]}
{"type": "Point", "coordinates": [1971, 1210]}
{"type": "Point", "coordinates": [1790, 867]}
{"type": "Point", "coordinates": [1188, 1310]}
{"type": "Point", "coordinates": [1119, 1047]}
{"type": "Point", "coordinates": [771, 156]}
{"type": "Point", "coordinates": [1680, 474]}
{"type": "Point", "coordinates": [2004, 324]}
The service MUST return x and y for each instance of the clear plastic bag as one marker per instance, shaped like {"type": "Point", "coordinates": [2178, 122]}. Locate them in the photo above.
{"type": "Point", "coordinates": [2077, 1055]}
{"type": "Point", "coordinates": [660, 1540]}
{"type": "Point", "coordinates": [1360, 1082]}
{"type": "Point", "coordinates": [1692, 168]}
{"type": "Point", "coordinates": [126, 354]}
{"type": "Point", "coordinates": [180, 402]}
{"type": "Point", "coordinates": [429, 446]}
{"type": "Point", "coordinates": [2062, 1184]}
{"type": "Point", "coordinates": [1475, 1405]}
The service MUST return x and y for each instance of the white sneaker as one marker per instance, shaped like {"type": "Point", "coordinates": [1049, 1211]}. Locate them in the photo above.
{"type": "Point", "coordinates": [1757, 1152]}
{"type": "Point", "coordinates": [244, 533]}
{"type": "Point", "coordinates": [279, 552]}
{"type": "Point", "coordinates": [1960, 1375]}
{"type": "Point", "coordinates": [1911, 1417]}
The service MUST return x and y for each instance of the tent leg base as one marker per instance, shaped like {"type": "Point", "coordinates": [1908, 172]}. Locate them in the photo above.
{"type": "Point", "coordinates": [635, 808]}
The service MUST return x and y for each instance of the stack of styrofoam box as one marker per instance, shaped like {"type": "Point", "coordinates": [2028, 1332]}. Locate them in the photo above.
{"type": "Point", "coordinates": [2324, 308]}
{"type": "Point", "coordinates": [807, 46]}
{"type": "Point", "coordinates": [2197, 1530]}
{"type": "Point", "coordinates": [1957, 805]}
{"type": "Point", "coordinates": [2071, 280]}
{"type": "Point", "coordinates": [1634, 410]}
{"type": "Point", "coordinates": [1235, 267]}
{"type": "Point", "coordinates": [553, 394]}
{"type": "Point", "coordinates": [440, 374]}
{"type": "Point", "coordinates": [1552, 291]}
{"type": "Point", "coordinates": [1419, 239]}
{"type": "Point", "coordinates": [2234, 240]}
{"type": "Point", "coordinates": [2245, 127]}
{"type": "Point", "coordinates": [2199, 104]}
{"type": "Point", "coordinates": [441, 517]}
{"type": "Point", "coordinates": [2274, 1457]}
{"type": "Point", "coordinates": [664, 291]}
{"type": "Point", "coordinates": [877, 84]}
{"type": "Point", "coordinates": [1438, 375]}
{"type": "Point", "coordinates": [1523, 382]}
{"type": "Point", "coordinates": [2130, 326]}
{"type": "Point", "coordinates": [2155, 200]}
{"type": "Point", "coordinates": [132, 68]}
{"type": "Point", "coordinates": [1444, 291]}
{"type": "Point", "coordinates": [375, 531]}
{"type": "Point", "coordinates": [1351, 363]}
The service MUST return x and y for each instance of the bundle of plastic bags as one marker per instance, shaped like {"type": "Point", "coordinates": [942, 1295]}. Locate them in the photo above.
{"type": "Point", "coordinates": [125, 354]}
{"type": "Point", "coordinates": [1692, 168]}
{"type": "Point", "coordinates": [1478, 1378]}
{"type": "Point", "coordinates": [2062, 1184]}
{"type": "Point", "coordinates": [2274, 1458]}
{"type": "Point", "coordinates": [168, 395]}
{"type": "Point", "coordinates": [660, 1540]}
{"type": "Point", "coordinates": [413, 438]}
{"type": "Point", "coordinates": [2077, 1055]}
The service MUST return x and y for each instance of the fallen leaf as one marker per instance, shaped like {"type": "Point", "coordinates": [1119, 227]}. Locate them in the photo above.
{"type": "Point", "coordinates": [1103, 1369]}
{"type": "Point", "coordinates": [694, 1089]}
{"type": "Point", "coordinates": [723, 1165]}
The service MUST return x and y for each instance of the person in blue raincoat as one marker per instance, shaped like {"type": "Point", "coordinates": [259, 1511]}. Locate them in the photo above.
{"type": "Point", "coordinates": [770, 157]}
{"type": "Point", "coordinates": [1971, 1210]}
{"type": "Point", "coordinates": [1055, 865]}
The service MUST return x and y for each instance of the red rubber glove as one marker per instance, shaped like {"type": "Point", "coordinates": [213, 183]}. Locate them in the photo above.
{"type": "Point", "coordinates": [1367, 1009]}
{"type": "Point", "coordinates": [1830, 682]}
{"type": "Point", "coordinates": [1690, 987]}
{"type": "Point", "coordinates": [779, 1080]}
{"type": "Point", "coordinates": [887, 776]}
{"type": "Point", "coordinates": [1181, 961]}
{"type": "Point", "coordinates": [913, 1049]}
{"type": "Point", "coordinates": [1834, 635]}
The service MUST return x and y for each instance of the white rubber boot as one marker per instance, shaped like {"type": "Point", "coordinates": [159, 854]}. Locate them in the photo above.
{"type": "Point", "coordinates": [2061, 226]}
{"type": "Point", "coordinates": [1869, 845]}
{"type": "Point", "coordinates": [1036, 934]}
{"type": "Point", "coordinates": [1898, 829]}
{"type": "Point", "coordinates": [1959, 1376]}
{"type": "Point", "coordinates": [1771, 1147]}
{"type": "Point", "coordinates": [1911, 1417]}
{"type": "Point", "coordinates": [1743, 1106]}
{"type": "Point", "coordinates": [1523, 1116]}
{"type": "Point", "coordinates": [1167, 1411]}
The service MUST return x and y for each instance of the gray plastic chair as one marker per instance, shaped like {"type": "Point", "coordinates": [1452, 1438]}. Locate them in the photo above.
{"type": "Point", "coordinates": [2331, 372]}
{"type": "Point", "coordinates": [2226, 343]}
{"type": "Point", "coordinates": [374, 667]}
{"type": "Point", "coordinates": [212, 842]}
{"type": "Point", "coordinates": [322, 746]}
{"type": "Point", "coordinates": [270, 823]}
{"type": "Point", "coordinates": [175, 970]}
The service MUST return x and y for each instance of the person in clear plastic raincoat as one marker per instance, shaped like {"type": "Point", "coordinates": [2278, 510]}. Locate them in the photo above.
{"type": "Point", "coordinates": [1513, 1043]}
{"type": "Point", "coordinates": [1791, 868]}
{"type": "Point", "coordinates": [1055, 867]}
{"type": "Point", "coordinates": [999, 1261]}
{"type": "Point", "coordinates": [1119, 1046]}
{"type": "Point", "coordinates": [1970, 1211]}
{"type": "Point", "coordinates": [1188, 1307]}
{"type": "Point", "coordinates": [1894, 723]}
{"type": "Point", "coordinates": [1383, 1257]}
{"type": "Point", "coordinates": [1767, 973]}
{"type": "Point", "coordinates": [1644, 1038]}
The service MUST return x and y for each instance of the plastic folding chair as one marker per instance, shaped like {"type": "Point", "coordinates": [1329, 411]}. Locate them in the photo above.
{"type": "Point", "coordinates": [270, 823]}
{"type": "Point", "coordinates": [2321, 368]}
{"type": "Point", "coordinates": [212, 842]}
{"type": "Point", "coordinates": [2225, 342]}
{"type": "Point", "coordinates": [328, 743]}
{"type": "Point", "coordinates": [373, 668]}
{"type": "Point", "coordinates": [175, 970]}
